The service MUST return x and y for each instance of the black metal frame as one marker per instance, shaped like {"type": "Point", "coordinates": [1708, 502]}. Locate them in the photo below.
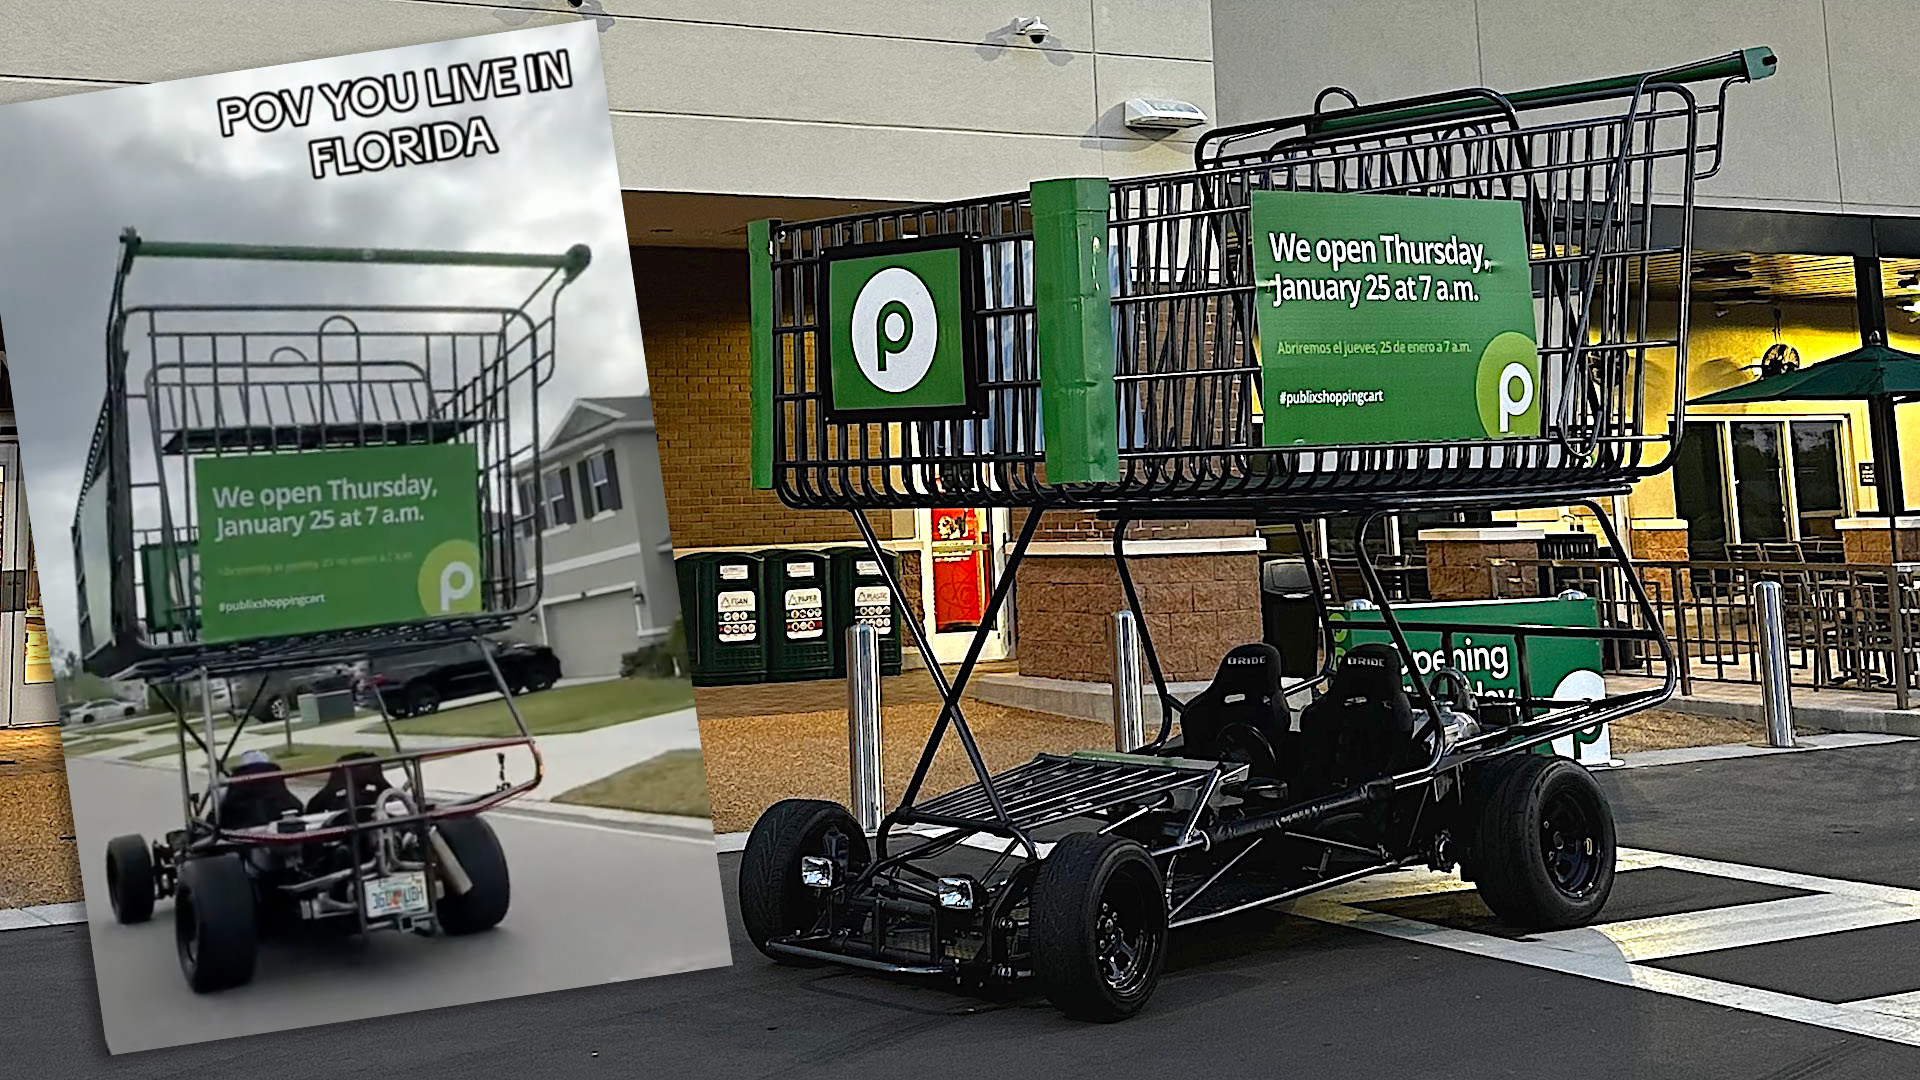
{"type": "Point", "coordinates": [1075, 792]}
{"type": "Point", "coordinates": [1188, 447]}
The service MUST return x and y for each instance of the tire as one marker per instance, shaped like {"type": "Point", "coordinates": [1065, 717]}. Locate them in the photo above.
{"type": "Point", "coordinates": [773, 902]}
{"type": "Point", "coordinates": [214, 923]}
{"type": "Point", "coordinates": [423, 698]}
{"type": "Point", "coordinates": [1543, 844]}
{"type": "Point", "coordinates": [1099, 927]}
{"type": "Point", "coordinates": [478, 849]}
{"type": "Point", "coordinates": [542, 679]}
{"type": "Point", "coordinates": [127, 712]}
{"type": "Point", "coordinates": [130, 879]}
{"type": "Point", "coordinates": [279, 709]}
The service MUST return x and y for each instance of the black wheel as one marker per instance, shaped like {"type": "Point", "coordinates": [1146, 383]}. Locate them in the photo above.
{"type": "Point", "coordinates": [773, 902]}
{"type": "Point", "coordinates": [422, 698]}
{"type": "Point", "coordinates": [130, 879]}
{"type": "Point", "coordinates": [483, 905]}
{"type": "Point", "coordinates": [540, 679]}
{"type": "Point", "coordinates": [213, 923]}
{"type": "Point", "coordinates": [1543, 844]}
{"type": "Point", "coordinates": [1099, 927]}
{"type": "Point", "coordinates": [128, 711]}
{"type": "Point", "coordinates": [279, 709]}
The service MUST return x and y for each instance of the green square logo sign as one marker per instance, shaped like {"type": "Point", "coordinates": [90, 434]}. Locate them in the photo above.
{"type": "Point", "coordinates": [336, 539]}
{"type": "Point", "coordinates": [896, 334]}
{"type": "Point", "coordinates": [1388, 318]}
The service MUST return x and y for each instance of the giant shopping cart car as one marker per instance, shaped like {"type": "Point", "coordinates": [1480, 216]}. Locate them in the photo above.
{"type": "Point", "coordinates": [1439, 303]}
{"type": "Point", "coordinates": [303, 485]}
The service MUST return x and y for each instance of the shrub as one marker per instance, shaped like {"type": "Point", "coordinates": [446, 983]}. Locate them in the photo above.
{"type": "Point", "coordinates": [663, 659]}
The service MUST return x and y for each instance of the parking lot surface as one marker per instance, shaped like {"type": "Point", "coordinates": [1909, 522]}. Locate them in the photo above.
{"type": "Point", "coordinates": [1685, 979]}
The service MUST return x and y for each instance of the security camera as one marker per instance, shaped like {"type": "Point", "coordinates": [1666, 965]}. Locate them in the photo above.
{"type": "Point", "coordinates": [1033, 29]}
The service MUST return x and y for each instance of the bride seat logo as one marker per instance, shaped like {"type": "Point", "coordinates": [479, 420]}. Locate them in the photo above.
{"type": "Point", "coordinates": [896, 333]}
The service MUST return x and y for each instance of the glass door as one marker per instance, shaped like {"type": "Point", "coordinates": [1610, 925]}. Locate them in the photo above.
{"type": "Point", "coordinates": [1699, 494]}
{"type": "Point", "coordinates": [1759, 488]}
{"type": "Point", "coordinates": [1819, 497]}
{"type": "Point", "coordinates": [960, 550]}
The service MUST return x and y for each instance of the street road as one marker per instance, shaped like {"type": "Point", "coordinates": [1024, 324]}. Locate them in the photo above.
{"type": "Point", "coordinates": [593, 903]}
{"type": "Point", "coordinates": [1412, 983]}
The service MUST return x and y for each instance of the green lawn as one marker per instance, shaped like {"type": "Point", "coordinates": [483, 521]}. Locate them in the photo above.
{"type": "Point", "coordinates": [555, 712]}
{"type": "Point", "coordinates": [78, 747]}
{"type": "Point", "coordinates": [673, 783]}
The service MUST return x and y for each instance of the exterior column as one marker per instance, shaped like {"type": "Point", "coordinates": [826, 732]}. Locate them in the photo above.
{"type": "Point", "coordinates": [1476, 563]}
{"type": "Point", "coordinates": [1661, 540]}
{"type": "Point", "coordinates": [1199, 585]}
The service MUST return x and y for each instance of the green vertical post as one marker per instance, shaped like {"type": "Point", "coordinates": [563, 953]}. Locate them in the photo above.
{"type": "Point", "coordinates": [760, 292]}
{"type": "Point", "coordinates": [1073, 316]}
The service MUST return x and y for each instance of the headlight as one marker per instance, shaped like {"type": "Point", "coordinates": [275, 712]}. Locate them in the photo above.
{"type": "Point", "coordinates": [959, 893]}
{"type": "Point", "coordinates": [816, 871]}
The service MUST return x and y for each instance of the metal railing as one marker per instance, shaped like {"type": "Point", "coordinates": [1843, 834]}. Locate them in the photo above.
{"type": "Point", "coordinates": [1847, 625]}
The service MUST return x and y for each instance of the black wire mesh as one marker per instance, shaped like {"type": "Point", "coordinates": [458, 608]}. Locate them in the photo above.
{"type": "Point", "coordinates": [1186, 381]}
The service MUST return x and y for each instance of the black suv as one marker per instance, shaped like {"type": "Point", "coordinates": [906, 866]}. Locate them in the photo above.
{"type": "Point", "coordinates": [415, 683]}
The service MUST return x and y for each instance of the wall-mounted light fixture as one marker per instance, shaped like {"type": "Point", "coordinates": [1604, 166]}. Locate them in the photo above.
{"type": "Point", "coordinates": [1163, 114]}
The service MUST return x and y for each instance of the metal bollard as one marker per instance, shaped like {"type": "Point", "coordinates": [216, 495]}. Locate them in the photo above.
{"type": "Point", "coordinates": [863, 723]}
{"type": "Point", "coordinates": [1776, 696]}
{"type": "Point", "coordinates": [1129, 726]}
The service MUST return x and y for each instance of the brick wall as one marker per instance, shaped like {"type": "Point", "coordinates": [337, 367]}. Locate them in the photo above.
{"type": "Point", "coordinates": [1078, 525]}
{"type": "Point", "coordinates": [695, 322]}
{"type": "Point", "coordinates": [1198, 607]}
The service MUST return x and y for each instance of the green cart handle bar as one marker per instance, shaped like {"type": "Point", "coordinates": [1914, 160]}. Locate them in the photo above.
{"type": "Point", "coordinates": [572, 261]}
{"type": "Point", "coordinates": [1746, 64]}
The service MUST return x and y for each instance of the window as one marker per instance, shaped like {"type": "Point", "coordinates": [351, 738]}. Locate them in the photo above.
{"type": "Point", "coordinates": [557, 486]}
{"type": "Point", "coordinates": [599, 483]}
{"type": "Point", "coordinates": [528, 513]}
{"type": "Point", "coordinates": [1748, 487]}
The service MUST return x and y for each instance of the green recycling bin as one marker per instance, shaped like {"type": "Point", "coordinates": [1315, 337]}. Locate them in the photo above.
{"type": "Point", "coordinates": [860, 592]}
{"type": "Point", "coordinates": [726, 620]}
{"type": "Point", "coordinates": [794, 588]}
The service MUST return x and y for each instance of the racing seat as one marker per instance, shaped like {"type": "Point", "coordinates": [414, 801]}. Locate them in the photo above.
{"type": "Point", "coordinates": [256, 802]}
{"type": "Point", "coordinates": [350, 772]}
{"type": "Point", "coordinates": [1362, 726]}
{"type": "Point", "coordinates": [1242, 715]}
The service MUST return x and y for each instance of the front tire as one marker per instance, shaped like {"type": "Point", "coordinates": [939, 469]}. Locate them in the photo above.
{"type": "Point", "coordinates": [1099, 927]}
{"type": "Point", "coordinates": [773, 902]}
{"type": "Point", "coordinates": [214, 923]}
{"type": "Point", "coordinates": [130, 879]}
{"type": "Point", "coordinates": [423, 699]}
{"type": "Point", "coordinates": [1544, 845]}
{"type": "Point", "coordinates": [478, 849]}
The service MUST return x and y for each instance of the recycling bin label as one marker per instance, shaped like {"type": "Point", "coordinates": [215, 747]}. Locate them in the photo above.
{"type": "Point", "coordinates": [738, 624]}
{"type": "Point", "coordinates": [806, 613]}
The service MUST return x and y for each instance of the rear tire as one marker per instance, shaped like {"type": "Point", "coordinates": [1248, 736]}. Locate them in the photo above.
{"type": "Point", "coordinates": [214, 926]}
{"type": "Point", "coordinates": [478, 849]}
{"type": "Point", "coordinates": [1544, 845]}
{"type": "Point", "coordinates": [773, 902]}
{"type": "Point", "coordinates": [130, 879]}
{"type": "Point", "coordinates": [1099, 927]}
{"type": "Point", "coordinates": [542, 679]}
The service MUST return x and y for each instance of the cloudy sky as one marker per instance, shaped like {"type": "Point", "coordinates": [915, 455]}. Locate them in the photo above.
{"type": "Point", "coordinates": [78, 170]}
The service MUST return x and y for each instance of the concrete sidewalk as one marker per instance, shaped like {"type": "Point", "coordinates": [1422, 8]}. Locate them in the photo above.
{"type": "Point", "coordinates": [1835, 710]}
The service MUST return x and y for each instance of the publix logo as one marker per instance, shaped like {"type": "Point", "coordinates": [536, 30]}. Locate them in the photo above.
{"type": "Point", "coordinates": [897, 333]}
{"type": "Point", "coordinates": [895, 330]}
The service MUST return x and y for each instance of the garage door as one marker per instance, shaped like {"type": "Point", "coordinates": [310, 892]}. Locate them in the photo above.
{"type": "Point", "coordinates": [590, 635]}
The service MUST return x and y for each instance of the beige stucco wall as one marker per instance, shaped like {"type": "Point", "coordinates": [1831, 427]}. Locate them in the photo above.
{"type": "Point", "coordinates": [873, 99]}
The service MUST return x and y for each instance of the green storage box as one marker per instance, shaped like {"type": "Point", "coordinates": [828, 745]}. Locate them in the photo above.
{"type": "Point", "coordinates": [795, 589]}
{"type": "Point", "coordinates": [726, 618]}
{"type": "Point", "coordinates": [860, 592]}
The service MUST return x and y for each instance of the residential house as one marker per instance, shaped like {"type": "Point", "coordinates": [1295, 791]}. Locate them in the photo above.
{"type": "Point", "coordinates": [593, 515]}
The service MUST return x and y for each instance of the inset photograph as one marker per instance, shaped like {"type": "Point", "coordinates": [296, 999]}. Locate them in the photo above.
{"type": "Point", "coordinates": [363, 626]}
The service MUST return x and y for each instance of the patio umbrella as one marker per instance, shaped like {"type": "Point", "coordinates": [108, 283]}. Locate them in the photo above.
{"type": "Point", "coordinates": [1875, 373]}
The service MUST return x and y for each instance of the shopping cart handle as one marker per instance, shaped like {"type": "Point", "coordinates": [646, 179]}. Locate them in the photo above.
{"type": "Point", "coordinates": [1746, 65]}
{"type": "Point", "coordinates": [573, 260]}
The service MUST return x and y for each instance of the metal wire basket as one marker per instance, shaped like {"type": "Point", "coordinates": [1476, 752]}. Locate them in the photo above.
{"type": "Point", "coordinates": [1148, 388]}
{"type": "Point", "coordinates": [189, 384]}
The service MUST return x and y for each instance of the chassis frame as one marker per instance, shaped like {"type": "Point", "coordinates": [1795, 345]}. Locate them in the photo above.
{"type": "Point", "coordinates": [1172, 803]}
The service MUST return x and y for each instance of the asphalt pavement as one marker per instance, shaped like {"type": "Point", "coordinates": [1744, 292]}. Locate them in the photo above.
{"type": "Point", "coordinates": [1268, 994]}
{"type": "Point", "coordinates": [593, 903]}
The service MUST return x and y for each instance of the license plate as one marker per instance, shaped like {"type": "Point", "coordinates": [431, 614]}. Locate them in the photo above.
{"type": "Point", "coordinates": [400, 894]}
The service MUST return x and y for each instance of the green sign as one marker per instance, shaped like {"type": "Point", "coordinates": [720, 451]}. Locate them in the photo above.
{"type": "Point", "coordinates": [1563, 669]}
{"type": "Point", "coordinates": [1393, 319]}
{"type": "Point", "coordinates": [336, 539]}
{"type": "Point", "coordinates": [897, 334]}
